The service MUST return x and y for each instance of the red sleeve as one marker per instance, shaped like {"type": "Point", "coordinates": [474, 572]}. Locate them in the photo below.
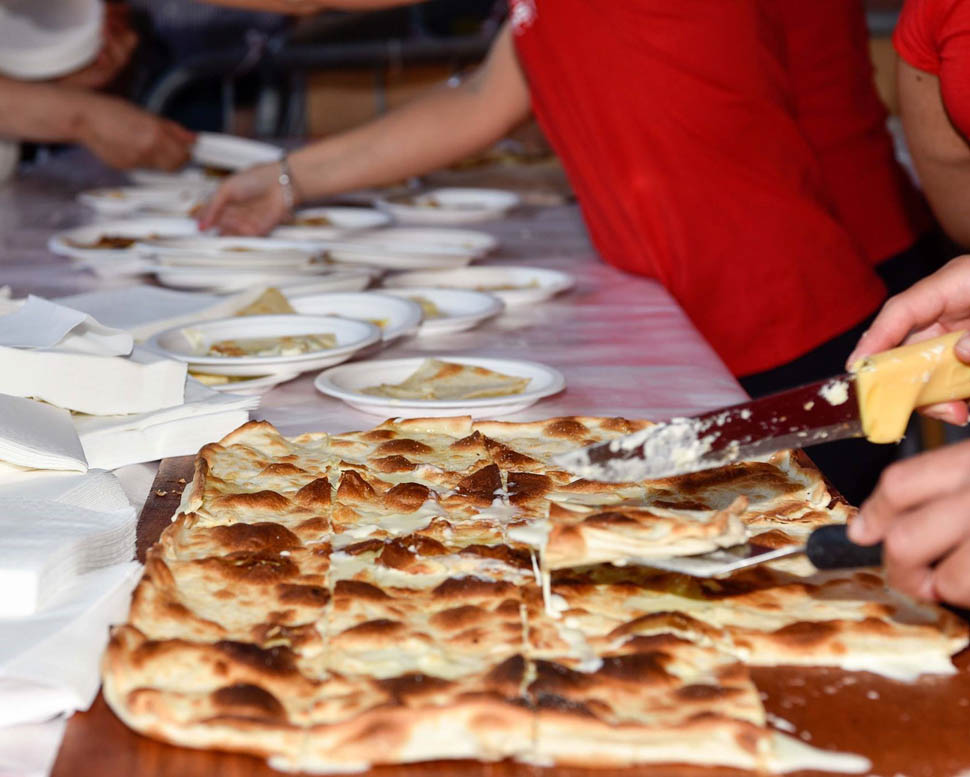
{"type": "Point", "coordinates": [917, 37]}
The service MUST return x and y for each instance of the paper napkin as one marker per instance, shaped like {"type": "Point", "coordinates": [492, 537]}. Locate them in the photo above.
{"type": "Point", "coordinates": [100, 385]}
{"type": "Point", "coordinates": [49, 661]}
{"type": "Point", "coordinates": [39, 323]}
{"type": "Point", "coordinates": [47, 545]}
{"type": "Point", "coordinates": [206, 416]}
{"type": "Point", "coordinates": [147, 310]}
{"type": "Point", "coordinates": [37, 435]}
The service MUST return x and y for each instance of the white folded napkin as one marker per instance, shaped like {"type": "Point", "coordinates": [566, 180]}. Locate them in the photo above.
{"type": "Point", "coordinates": [49, 661]}
{"type": "Point", "coordinates": [94, 490]}
{"type": "Point", "coordinates": [47, 545]}
{"type": "Point", "coordinates": [100, 385]}
{"type": "Point", "coordinates": [206, 416]}
{"type": "Point", "coordinates": [147, 310]}
{"type": "Point", "coordinates": [37, 435]}
{"type": "Point", "coordinates": [39, 323]}
{"type": "Point", "coordinates": [29, 749]}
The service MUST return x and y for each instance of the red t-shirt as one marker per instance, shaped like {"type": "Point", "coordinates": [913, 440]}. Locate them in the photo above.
{"type": "Point", "coordinates": [840, 114]}
{"type": "Point", "coordinates": [675, 125]}
{"type": "Point", "coordinates": [934, 36]}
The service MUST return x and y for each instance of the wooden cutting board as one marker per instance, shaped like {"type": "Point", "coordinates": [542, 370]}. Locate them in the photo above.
{"type": "Point", "coordinates": [907, 730]}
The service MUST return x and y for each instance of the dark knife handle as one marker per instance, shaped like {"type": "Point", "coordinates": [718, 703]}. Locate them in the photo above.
{"type": "Point", "coordinates": [829, 547]}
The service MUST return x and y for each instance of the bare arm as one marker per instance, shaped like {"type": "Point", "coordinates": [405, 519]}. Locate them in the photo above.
{"type": "Point", "coordinates": [940, 152]}
{"type": "Point", "coordinates": [119, 133]}
{"type": "Point", "coordinates": [441, 127]}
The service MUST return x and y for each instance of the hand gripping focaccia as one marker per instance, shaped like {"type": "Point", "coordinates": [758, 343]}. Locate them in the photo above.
{"type": "Point", "coordinates": [395, 595]}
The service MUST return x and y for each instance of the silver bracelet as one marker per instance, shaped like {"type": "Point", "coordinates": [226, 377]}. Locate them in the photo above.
{"type": "Point", "coordinates": [286, 184]}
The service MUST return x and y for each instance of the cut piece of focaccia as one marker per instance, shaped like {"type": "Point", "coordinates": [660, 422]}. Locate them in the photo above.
{"type": "Point", "coordinates": [659, 699]}
{"type": "Point", "coordinates": [436, 379]}
{"type": "Point", "coordinates": [766, 617]}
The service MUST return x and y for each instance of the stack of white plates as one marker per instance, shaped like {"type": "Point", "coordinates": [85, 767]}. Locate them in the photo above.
{"type": "Point", "coordinates": [77, 243]}
{"type": "Point", "coordinates": [395, 317]}
{"type": "Point", "coordinates": [450, 206]}
{"type": "Point", "coordinates": [227, 264]}
{"type": "Point", "coordinates": [48, 38]}
{"type": "Point", "coordinates": [190, 343]}
{"type": "Point", "coordinates": [330, 223]}
{"type": "Point", "coordinates": [514, 285]}
{"type": "Point", "coordinates": [412, 249]}
{"type": "Point", "coordinates": [127, 200]}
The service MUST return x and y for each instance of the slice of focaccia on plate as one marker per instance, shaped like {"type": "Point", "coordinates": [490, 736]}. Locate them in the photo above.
{"type": "Point", "coordinates": [436, 379]}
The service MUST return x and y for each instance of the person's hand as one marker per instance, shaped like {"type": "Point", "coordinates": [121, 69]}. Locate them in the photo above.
{"type": "Point", "coordinates": [937, 304]}
{"type": "Point", "coordinates": [125, 136]}
{"type": "Point", "coordinates": [119, 41]}
{"type": "Point", "coordinates": [248, 203]}
{"type": "Point", "coordinates": [921, 512]}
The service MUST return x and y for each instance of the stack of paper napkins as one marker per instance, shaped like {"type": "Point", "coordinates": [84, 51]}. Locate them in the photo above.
{"type": "Point", "coordinates": [127, 404]}
{"type": "Point", "coordinates": [47, 546]}
{"type": "Point", "coordinates": [65, 357]}
{"type": "Point", "coordinates": [144, 311]}
{"type": "Point", "coordinates": [38, 436]}
{"type": "Point", "coordinates": [205, 416]}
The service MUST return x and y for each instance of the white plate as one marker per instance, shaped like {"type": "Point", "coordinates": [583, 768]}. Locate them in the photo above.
{"type": "Point", "coordinates": [461, 309]}
{"type": "Point", "coordinates": [222, 280]}
{"type": "Point", "coordinates": [352, 336]}
{"type": "Point", "coordinates": [347, 381]}
{"type": "Point", "coordinates": [338, 280]}
{"type": "Point", "coordinates": [109, 262]}
{"type": "Point", "coordinates": [229, 152]}
{"type": "Point", "coordinates": [187, 177]}
{"type": "Point", "coordinates": [403, 316]}
{"type": "Point", "coordinates": [342, 221]}
{"type": "Point", "coordinates": [124, 200]}
{"type": "Point", "coordinates": [255, 386]}
{"type": "Point", "coordinates": [257, 253]}
{"type": "Point", "coordinates": [532, 284]}
{"type": "Point", "coordinates": [454, 206]}
{"type": "Point", "coordinates": [389, 249]}
{"type": "Point", "coordinates": [419, 240]}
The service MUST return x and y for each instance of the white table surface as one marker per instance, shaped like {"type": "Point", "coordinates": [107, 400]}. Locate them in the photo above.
{"type": "Point", "coordinates": [623, 344]}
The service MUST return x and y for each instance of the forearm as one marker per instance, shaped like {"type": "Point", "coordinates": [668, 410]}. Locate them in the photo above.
{"type": "Point", "coordinates": [441, 127]}
{"type": "Point", "coordinates": [40, 112]}
{"type": "Point", "coordinates": [940, 153]}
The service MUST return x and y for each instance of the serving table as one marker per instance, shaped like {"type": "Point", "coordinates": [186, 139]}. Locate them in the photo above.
{"type": "Point", "coordinates": [625, 348]}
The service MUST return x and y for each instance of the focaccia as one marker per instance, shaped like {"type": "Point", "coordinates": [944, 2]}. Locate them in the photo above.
{"type": "Point", "coordinates": [329, 602]}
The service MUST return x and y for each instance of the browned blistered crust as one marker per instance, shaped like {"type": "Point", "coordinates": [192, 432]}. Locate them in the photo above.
{"type": "Point", "coordinates": [329, 602]}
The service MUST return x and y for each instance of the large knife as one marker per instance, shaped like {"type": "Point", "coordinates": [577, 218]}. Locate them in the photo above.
{"type": "Point", "coordinates": [874, 400]}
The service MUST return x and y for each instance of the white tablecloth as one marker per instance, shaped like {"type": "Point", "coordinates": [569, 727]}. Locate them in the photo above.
{"type": "Point", "coordinates": [623, 344]}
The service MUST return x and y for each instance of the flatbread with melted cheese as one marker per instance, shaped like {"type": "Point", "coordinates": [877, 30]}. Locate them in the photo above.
{"type": "Point", "coordinates": [271, 302]}
{"type": "Point", "coordinates": [329, 602]}
{"type": "Point", "coordinates": [436, 379]}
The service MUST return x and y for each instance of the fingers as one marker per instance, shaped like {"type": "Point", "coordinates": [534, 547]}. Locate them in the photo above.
{"type": "Point", "coordinates": [937, 299]}
{"type": "Point", "coordinates": [918, 539]}
{"type": "Point", "coordinates": [909, 484]}
{"type": "Point", "coordinates": [212, 210]}
{"type": "Point", "coordinates": [955, 413]}
{"type": "Point", "coordinates": [950, 579]}
{"type": "Point", "coordinates": [169, 149]}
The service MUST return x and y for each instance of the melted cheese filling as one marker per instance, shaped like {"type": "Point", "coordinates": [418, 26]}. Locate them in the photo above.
{"type": "Point", "coordinates": [892, 384]}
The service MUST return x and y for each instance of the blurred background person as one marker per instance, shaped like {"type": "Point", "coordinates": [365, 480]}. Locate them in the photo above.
{"type": "Point", "coordinates": [67, 109]}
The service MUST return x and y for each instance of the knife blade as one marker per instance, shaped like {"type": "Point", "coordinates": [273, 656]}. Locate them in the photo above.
{"type": "Point", "coordinates": [818, 412]}
{"type": "Point", "coordinates": [828, 547]}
